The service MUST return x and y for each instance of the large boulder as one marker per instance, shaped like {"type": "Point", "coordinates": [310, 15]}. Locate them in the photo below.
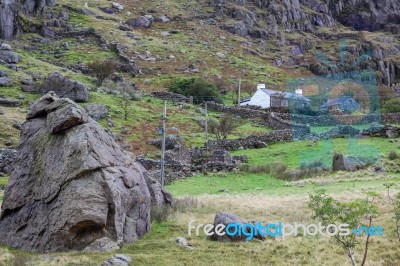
{"type": "Point", "coordinates": [72, 184]}
{"type": "Point", "coordinates": [62, 86]}
{"type": "Point", "coordinates": [223, 218]}
{"type": "Point", "coordinates": [7, 56]}
{"type": "Point", "coordinates": [341, 162]}
{"type": "Point", "coordinates": [140, 22]}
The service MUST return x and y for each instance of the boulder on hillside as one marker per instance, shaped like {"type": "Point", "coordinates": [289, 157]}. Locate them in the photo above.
{"type": "Point", "coordinates": [226, 219]}
{"type": "Point", "coordinates": [6, 102]}
{"type": "Point", "coordinates": [5, 82]}
{"type": "Point", "coordinates": [72, 184]}
{"type": "Point", "coordinates": [62, 86]}
{"type": "Point", "coordinates": [140, 22]}
{"type": "Point", "coordinates": [7, 56]}
{"type": "Point", "coordinates": [341, 162]}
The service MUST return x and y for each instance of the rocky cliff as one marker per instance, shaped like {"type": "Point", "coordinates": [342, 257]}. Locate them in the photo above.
{"type": "Point", "coordinates": [10, 11]}
{"type": "Point", "coordinates": [72, 184]}
{"type": "Point", "coordinates": [325, 20]}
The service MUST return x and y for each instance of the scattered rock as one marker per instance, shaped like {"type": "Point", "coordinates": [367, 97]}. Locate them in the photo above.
{"type": "Point", "coordinates": [27, 81]}
{"type": "Point", "coordinates": [5, 82]}
{"type": "Point", "coordinates": [140, 22]}
{"type": "Point", "coordinates": [117, 260]}
{"type": "Point", "coordinates": [3, 73]}
{"type": "Point", "coordinates": [17, 125]}
{"type": "Point", "coordinates": [97, 111]}
{"type": "Point", "coordinates": [117, 6]}
{"type": "Point", "coordinates": [64, 87]}
{"type": "Point", "coordinates": [184, 243]}
{"type": "Point", "coordinates": [5, 102]}
{"type": "Point", "coordinates": [7, 56]}
{"type": "Point", "coordinates": [9, 143]}
{"type": "Point", "coordinates": [170, 142]}
{"type": "Point", "coordinates": [226, 219]}
{"type": "Point", "coordinates": [163, 19]}
{"type": "Point", "coordinates": [379, 169]}
{"type": "Point", "coordinates": [93, 188]}
{"type": "Point", "coordinates": [102, 245]}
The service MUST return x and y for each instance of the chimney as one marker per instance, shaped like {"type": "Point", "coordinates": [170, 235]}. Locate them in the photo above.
{"type": "Point", "coordinates": [260, 86]}
{"type": "Point", "coordinates": [299, 91]}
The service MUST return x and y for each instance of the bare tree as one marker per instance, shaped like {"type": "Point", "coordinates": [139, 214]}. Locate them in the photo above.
{"type": "Point", "coordinates": [126, 95]}
{"type": "Point", "coordinates": [226, 124]}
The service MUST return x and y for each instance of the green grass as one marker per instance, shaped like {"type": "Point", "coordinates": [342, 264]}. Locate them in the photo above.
{"type": "Point", "coordinates": [293, 154]}
{"type": "Point", "coordinates": [326, 128]}
{"type": "Point", "coordinates": [242, 183]}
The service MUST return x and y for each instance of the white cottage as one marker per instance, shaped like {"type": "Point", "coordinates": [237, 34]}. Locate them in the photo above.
{"type": "Point", "coordinates": [262, 97]}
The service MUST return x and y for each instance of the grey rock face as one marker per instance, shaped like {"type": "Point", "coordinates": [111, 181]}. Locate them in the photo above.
{"type": "Point", "coordinates": [64, 87]}
{"type": "Point", "coordinates": [10, 22]}
{"type": "Point", "coordinates": [140, 22]}
{"type": "Point", "coordinates": [71, 184]}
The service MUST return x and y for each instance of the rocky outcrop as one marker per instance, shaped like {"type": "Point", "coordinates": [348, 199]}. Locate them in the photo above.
{"type": "Point", "coordinates": [72, 184]}
{"type": "Point", "coordinates": [62, 86]}
{"type": "Point", "coordinates": [10, 11]}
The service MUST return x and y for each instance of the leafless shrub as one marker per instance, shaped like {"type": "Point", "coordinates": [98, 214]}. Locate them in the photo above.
{"type": "Point", "coordinates": [102, 69]}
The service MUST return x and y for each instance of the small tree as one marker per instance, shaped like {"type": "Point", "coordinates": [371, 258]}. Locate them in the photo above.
{"type": "Point", "coordinates": [126, 95]}
{"type": "Point", "coordinates": [396, 207]}
{"type": "Point", "coordinates": [102, 69]}
{"type": "Point", "coordinates": [226, 124]}
{"type": "Point", "coordinates": [330, 211]}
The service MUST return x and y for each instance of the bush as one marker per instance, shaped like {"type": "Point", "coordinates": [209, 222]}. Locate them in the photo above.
{"type": "Point", "coordinates": [393, 155]}
{"type": "Point", "coordinates": [225, 126]}
{"type": "Point", "coordinates": [392, 106]}
{"type": "Point", "coordinates": [200, 89]}
{"type": "Point", "coordinates": [102, 69]}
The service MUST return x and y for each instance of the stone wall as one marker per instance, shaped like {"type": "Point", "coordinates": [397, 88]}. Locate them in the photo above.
{"type": "Point", "coordinates": [253, 142]}
{"type": "Point", "coordinates": [175, 97]}
{"type": "Point", "coordinates": [332, 120]}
